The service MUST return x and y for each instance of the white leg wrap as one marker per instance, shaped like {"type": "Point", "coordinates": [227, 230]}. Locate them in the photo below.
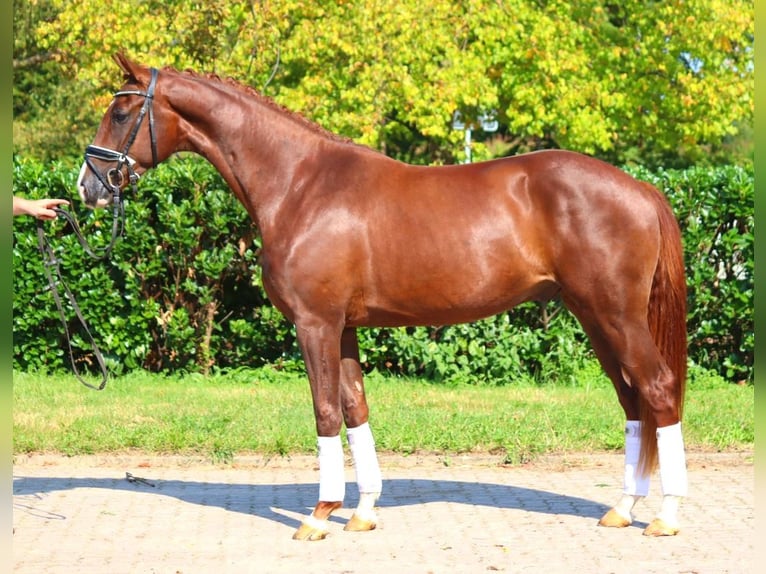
{"type": "Point", "coordinates": [634, 483]}
{"type": "Point", "coordinates": [362, 445]}
{"type": "Point", "coordinates": [672, 459]}
{"type": "Point", "coordinates": [332, 482]}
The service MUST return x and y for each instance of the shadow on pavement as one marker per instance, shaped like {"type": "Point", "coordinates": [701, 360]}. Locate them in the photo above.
{"type": "Point", "coordinates": [269, 501]}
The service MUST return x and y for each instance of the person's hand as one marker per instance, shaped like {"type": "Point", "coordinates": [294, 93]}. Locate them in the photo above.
{"type": "Point", "coordinates": [39, 208]}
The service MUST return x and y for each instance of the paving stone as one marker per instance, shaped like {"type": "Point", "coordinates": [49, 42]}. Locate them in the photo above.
{"type": "Point", "coordinates": [472, 515]}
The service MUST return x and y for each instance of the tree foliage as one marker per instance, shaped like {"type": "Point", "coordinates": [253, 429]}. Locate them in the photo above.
{"type": "Point", "coordinates": [646, 82]}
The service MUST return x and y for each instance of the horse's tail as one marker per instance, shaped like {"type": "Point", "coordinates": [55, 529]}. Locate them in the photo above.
{"type": "Point", "coordinates": [667, 322]}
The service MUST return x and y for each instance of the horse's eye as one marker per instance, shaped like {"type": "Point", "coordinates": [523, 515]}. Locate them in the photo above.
{"type": "Point", "coordinates": [120, 116]}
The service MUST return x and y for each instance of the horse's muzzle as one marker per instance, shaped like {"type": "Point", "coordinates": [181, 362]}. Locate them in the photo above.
{"type": "Point", "coordinates": [92, 192]}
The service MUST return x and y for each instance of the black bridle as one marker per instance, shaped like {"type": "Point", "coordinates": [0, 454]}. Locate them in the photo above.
{"type": "Point", "coordinates": [112, 180]}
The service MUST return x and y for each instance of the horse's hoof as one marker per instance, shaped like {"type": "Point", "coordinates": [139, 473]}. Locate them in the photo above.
{"type": "Point", "coordinates": [310, 532]}
{"type": "Point", "coordinates": [658, 527]}
{"type": "Point", "coordinates": [614, 519]}
{"type": "Point", "coordinates": [357, 524]}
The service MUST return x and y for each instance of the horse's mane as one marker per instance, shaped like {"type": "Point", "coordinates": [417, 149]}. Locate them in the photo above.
{"type": "Point", "coordinates": [266, 101]}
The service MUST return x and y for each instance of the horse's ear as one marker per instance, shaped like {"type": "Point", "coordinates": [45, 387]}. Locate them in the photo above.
{"type": "Point", "coordinates": [129, 68]}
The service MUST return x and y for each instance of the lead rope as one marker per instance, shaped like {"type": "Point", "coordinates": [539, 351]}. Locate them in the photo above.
{"type": "Point", "coordinates": [51, 266]}
{"type": "Point", "coordinates": [118, 227]}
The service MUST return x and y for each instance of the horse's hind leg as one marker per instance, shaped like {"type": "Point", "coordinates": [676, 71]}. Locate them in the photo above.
{"type": "Point", "coordinates": [635, 483]}
{"type": "Point", "coordinates": [360, 440]}
{"type": "Point", "coordinates": [644, 368]}
{"type": "Point", "coordinates": [641, 376]}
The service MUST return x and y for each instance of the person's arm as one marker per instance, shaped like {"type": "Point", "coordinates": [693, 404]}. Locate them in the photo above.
{"type": "Point", "coordinates": [39, 208]}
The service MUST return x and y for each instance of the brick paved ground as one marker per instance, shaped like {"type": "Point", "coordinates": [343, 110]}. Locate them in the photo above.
{"type": "Point", "coordinates": [462, 515]}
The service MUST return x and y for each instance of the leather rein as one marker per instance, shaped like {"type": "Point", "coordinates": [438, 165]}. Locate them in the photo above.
{"type": "Point", "coordinates": [113, 180]}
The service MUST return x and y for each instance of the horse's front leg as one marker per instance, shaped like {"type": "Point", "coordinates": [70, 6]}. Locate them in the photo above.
{"type": "Point", "coordinates": [320, 345]}
{"type": "Point", "coordinates": [360, 440]}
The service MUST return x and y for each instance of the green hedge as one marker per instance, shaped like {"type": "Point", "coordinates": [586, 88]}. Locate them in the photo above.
{"type": "Point", "coordinates": [182, 290]}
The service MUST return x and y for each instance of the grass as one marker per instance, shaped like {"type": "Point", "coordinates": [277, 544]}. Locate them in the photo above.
{"type": "Point", "coordinates": [265, 412]}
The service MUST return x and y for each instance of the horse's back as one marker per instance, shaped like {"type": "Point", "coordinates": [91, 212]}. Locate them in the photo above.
{"type": "Point", "coordinates": [530, 209]}
{"type": "Point", "coordinates": [461, 242]}
{"type": "Point", "coordinates": [394, 244]}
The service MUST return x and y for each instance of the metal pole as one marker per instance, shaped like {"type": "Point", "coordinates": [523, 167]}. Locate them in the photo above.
{"type": "Point", "coordinates": [467, 144]}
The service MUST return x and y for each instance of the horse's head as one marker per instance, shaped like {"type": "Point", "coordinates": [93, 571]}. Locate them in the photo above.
{"type": "Point", "coordinates": [126, 143]}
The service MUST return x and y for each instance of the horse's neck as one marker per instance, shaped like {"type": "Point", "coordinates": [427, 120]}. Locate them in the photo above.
{"type": "Point", "coordinates": [255, 146]}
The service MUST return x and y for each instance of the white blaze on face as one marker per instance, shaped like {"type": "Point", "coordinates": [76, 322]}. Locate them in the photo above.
{"type": "Point", "coordinates": [80, 186]}
{"type": "Point", "coordinates": [81, 189]}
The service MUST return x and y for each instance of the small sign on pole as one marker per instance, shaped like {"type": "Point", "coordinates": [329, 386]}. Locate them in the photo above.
{"type": "Point", "coordinates": [486, 121]}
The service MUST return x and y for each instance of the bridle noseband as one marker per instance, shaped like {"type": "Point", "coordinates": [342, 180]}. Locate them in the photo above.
{"type": "Point", "coordinates": [114, 178]}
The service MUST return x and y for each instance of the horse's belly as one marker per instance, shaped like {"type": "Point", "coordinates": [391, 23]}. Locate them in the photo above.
{"type": "Point", "coordinates": [447, 298]}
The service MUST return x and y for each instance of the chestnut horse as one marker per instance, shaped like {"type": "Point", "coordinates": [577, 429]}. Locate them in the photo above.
{"type": "Point", "coordinates": [352, 238]}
